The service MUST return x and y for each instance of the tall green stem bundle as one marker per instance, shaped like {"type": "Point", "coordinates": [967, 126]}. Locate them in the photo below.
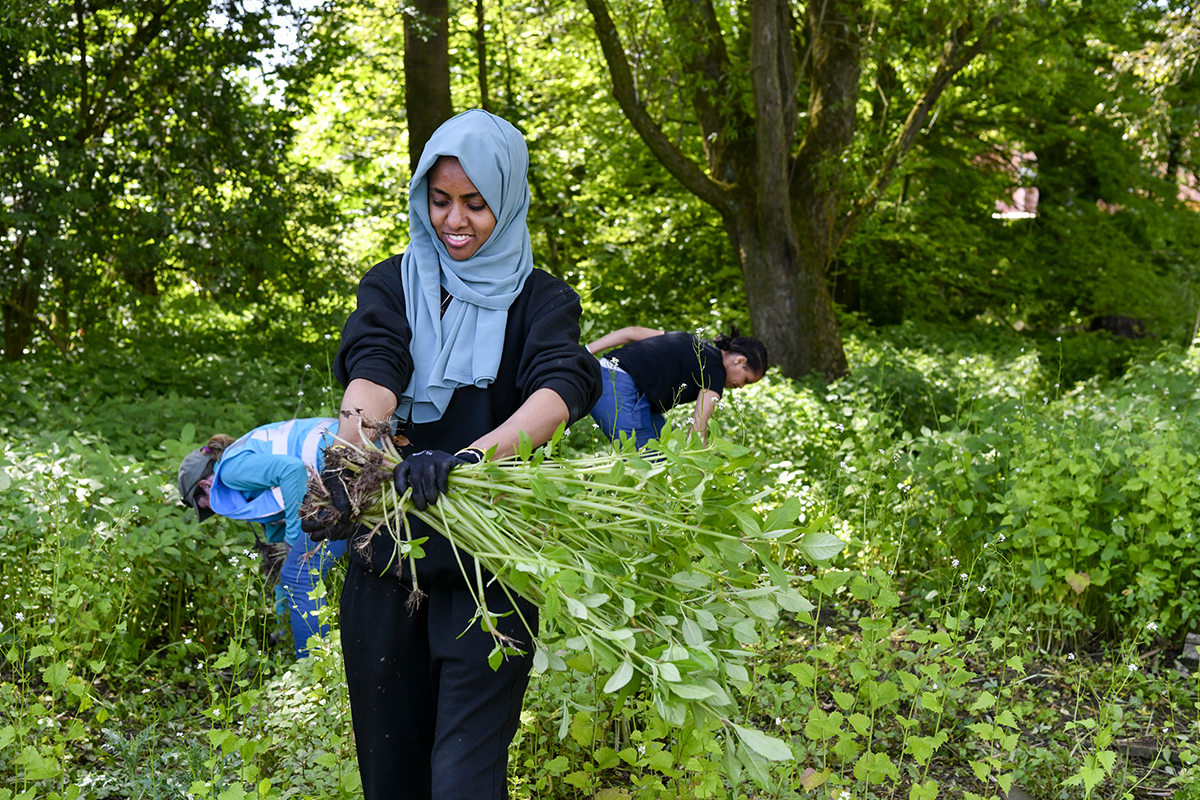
{"type": "Point", "coordinates": [656, 564]}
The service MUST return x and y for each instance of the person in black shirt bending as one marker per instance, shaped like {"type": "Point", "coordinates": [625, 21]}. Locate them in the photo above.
{"type": "Point", "coordinates": [653, 371]}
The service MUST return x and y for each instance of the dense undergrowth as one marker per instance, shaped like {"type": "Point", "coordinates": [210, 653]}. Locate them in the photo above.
{"type": "Point", "coordinates": [1017, 589]}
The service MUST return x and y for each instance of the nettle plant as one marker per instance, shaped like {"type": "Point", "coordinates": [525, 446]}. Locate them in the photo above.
{"type": "Point", "coordinates": [1086, 500]}
{"type": "Point", "coordinates": [867, 709]}
{"type": "Point", "coordinates": [880, 704]}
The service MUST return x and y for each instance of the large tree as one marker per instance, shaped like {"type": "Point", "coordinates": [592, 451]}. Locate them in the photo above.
{"type": "Point", "coordinates": [773, 100]}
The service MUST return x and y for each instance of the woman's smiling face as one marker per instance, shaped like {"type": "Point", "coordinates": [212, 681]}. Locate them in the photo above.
{"type": "Point", "coordinates": [459, 214]}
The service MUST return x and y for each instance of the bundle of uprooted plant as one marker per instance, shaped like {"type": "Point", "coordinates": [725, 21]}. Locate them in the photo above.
{"type": "Point", "coordinates": [654, 564]}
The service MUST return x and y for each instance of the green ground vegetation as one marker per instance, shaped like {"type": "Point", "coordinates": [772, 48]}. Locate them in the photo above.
{"type": "Point", "coordinates": [1011, 607]}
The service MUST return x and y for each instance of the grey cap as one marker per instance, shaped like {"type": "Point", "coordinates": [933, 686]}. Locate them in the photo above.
{"type": "Point", "coordinates": [196, 466]}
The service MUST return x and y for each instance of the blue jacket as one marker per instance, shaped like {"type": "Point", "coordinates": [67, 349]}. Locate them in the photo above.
{"type": "Point", "coordinates": [263, 476]}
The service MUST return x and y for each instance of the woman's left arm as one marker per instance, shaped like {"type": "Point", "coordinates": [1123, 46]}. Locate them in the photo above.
{"type": "Point", "coordinates": [706, 403]}
{"type": "Point", "coordinates": [539, 417]}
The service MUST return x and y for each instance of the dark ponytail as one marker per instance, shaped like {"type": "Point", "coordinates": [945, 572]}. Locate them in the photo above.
{"type": "Point", "coordinates": [754, 350]}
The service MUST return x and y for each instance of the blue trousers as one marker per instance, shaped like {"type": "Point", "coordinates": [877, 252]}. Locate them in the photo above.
{"type": "Point", "coordinates": [307, 562]}
{"type": "Point", "coordinates": [623, 408]}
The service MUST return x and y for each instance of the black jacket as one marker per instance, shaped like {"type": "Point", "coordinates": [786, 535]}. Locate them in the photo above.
{"type": "Point", "coordinates": [541, 350]}
{"type": "Point", "coordinates": [672, 368]}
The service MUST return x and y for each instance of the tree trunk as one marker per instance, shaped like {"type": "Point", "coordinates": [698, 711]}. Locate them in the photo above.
{"type": "Point", "coordinates": [426, 73]}
{"type": "Point", "coordinates": [817, 176]}
{"type": "Point", "coordinates": [792, 253]}
{"type": "Point", "coordinates": [481, 54]}
{"type": "Point", "coordinates": [19, 309]}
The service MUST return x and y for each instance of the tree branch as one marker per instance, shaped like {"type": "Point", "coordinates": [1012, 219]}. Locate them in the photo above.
{"type": "Point", "coordinates": [719, 115]}
{"type": "Point", "coordinates": [953, 59]}
{"type": "Point", "coordinates": [683, 168]}
{"type": "Point", "coordinates": [58, 342]}
{"type": "Point", "coordinates": [145, 34]}
{"type": "Point", "coordinates": [81, 38]}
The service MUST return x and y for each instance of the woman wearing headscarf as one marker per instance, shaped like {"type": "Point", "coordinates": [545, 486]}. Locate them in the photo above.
{"type": "Point", "coordinates": [465, 345]}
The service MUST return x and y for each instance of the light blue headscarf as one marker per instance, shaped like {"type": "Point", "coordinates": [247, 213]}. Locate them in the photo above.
{"type": "Point", "coordinates": [462, 347]}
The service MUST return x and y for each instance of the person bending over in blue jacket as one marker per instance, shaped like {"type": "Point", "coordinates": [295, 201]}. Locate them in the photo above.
{"type": "Point", "coordinates": [263, 477]}
{"type": "Point", "coordinates": [653, 371]}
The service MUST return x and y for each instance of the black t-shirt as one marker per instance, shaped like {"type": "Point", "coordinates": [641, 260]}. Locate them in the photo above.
{"type": "Point", "coordinates": [541, 350]}
{"type": "Point", "coordinates": [672, 368]}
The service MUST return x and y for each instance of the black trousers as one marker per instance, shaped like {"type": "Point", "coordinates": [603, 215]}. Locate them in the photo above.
{"type": "Point", "coordinates": [432, 720]}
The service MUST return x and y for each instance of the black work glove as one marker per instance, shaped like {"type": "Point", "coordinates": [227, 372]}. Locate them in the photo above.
{"type": "Point", "coordinates": [332, 524]}
{"type": "Point", "coordinates": [427, 473]}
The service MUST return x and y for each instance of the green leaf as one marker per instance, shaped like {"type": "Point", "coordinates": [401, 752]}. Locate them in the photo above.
{"type": "Point", "coordinates": [38, 767]}
{"type": "Point", "coordinates": [619, 678]}
{"type": "Point", "coordinates": [583, 728]}
{"type": "Point", "coordinates": [766, 746]}
{"type": "Point", "coordinates": [1006, 718]}
{"type": "Point", "coordinates": [821, 725]}
{"type": "Point", "coordinates": [691, 691]}
{"type": "Point", "coordinates": [985, 701]}
{"type": "Point", "coordinates": [668, 672]}
{"type": "Point", "coordinates": [923, 791]}
{"type": "Point", "coordinates": [923, 747]}
{"type": "Point", "coordinates": [524, 446]}
{"type": "Point", "coordinates": [784, 515]}
{"type": "Point", "coordinates": [805, 674]}
{"type": "Point", "coordinates": [820, 546]}
{"type": "Point", "coordinates": [56, 675]}
{"type": "Point", "coordinates": [882, 693]}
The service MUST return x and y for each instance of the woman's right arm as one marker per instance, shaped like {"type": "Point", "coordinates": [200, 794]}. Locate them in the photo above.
{"type": "Point", "coordinates": [621, 337]}
{"type": "Point", "coordinates": [374, 362]}
{"type": "Point", "coordinates": [369, 400]}
{"type": "Point", "coordinates": [256, 472]}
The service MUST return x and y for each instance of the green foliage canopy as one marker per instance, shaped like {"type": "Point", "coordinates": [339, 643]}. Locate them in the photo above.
{"type": "Point", "coordinates": [137, 157]}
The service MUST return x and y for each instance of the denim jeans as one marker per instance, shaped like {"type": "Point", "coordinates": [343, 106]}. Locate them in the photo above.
{"type": "Point", "coordinates": [306, 564]}
{"type": "Point", "coordinates": [623, 408]}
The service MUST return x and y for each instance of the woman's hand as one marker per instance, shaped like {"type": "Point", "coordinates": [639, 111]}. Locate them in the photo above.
{"type": "Point", "coordinates": [427, 473]}
{"type": "Point", "coordinates": [706, 403]}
